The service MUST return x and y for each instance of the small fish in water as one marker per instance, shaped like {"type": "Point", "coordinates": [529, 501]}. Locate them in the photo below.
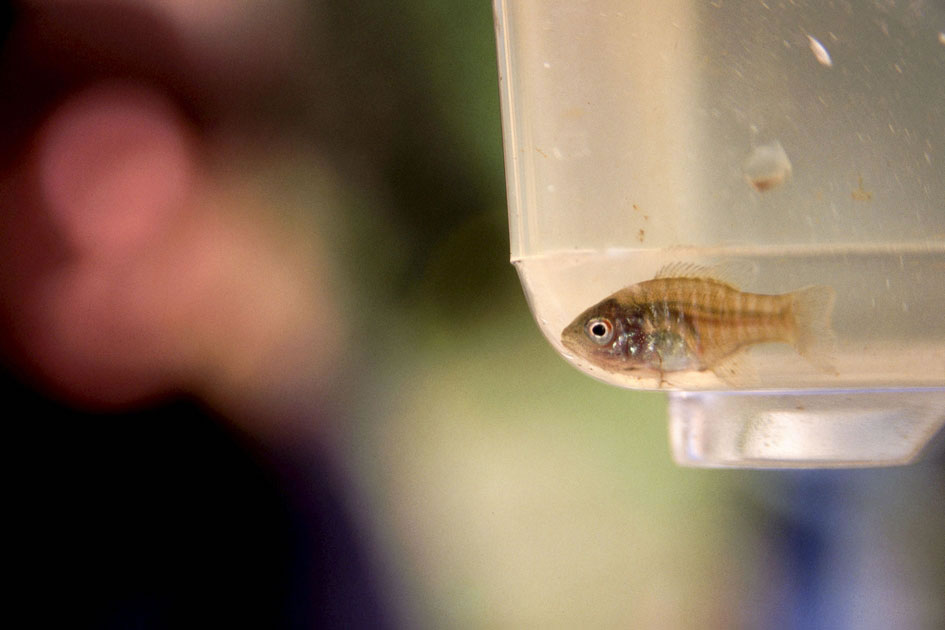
{"type": "Point", "coordinates": [689, 318]}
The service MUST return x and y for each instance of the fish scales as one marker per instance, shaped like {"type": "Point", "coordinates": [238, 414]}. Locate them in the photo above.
{"type": "Point", "coordinates": [687, 318]}
{"type": "Point", "coordinates": [721, 318]}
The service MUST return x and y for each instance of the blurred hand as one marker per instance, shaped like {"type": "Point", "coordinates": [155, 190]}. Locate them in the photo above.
{"type": "Point", "coordinates": [136, 258]}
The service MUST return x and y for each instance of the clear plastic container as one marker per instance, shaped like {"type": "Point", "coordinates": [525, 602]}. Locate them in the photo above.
{"type": "Point", "coordinates": [792, 144]}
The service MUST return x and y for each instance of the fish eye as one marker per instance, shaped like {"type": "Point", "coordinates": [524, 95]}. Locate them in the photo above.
{"type": "Point", "coordinates": [600, 330]}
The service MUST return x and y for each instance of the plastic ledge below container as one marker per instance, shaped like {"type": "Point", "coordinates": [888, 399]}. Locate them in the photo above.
{"type": "Point", "coordinates": [816, 429]}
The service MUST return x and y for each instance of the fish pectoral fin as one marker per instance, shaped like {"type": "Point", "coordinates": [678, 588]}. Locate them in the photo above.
{"type": "Point", "coordinates": [737, 370]}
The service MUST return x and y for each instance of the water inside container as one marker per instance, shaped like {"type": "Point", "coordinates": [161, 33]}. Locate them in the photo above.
{"type": "Point", "coordinates": [803, 142]}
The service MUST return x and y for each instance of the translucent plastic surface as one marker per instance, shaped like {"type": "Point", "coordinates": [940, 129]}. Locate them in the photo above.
{"type": "Point", "coordinates": [804, 141]}
{"type": "Point", "coordinates": [803, 429]}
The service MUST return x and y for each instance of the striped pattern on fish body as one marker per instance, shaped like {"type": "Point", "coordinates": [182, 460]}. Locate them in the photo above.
{"type": "Point", "coordinates": [716, 319]}
{"type": "Point", "coordinates": [688, 318]}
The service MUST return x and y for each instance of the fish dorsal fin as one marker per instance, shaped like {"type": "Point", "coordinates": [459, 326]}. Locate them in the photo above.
{"type": "Point", "coordinates": [734, 273]}
{"type": "Point", "coordinates": [685, 270]}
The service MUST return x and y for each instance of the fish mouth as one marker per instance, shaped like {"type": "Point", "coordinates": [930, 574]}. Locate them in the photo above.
{"type": "Point", "coordinates": [571, 354]}
{"type": "Point", "coordinates": [569, 341]}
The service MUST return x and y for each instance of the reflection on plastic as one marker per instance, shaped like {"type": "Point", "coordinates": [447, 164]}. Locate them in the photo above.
{"type": "Point", "coordinates": [804, 429]}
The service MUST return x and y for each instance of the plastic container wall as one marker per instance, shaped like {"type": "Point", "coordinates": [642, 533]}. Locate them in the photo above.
{"type": "Point", "coordinates": [780, 146]}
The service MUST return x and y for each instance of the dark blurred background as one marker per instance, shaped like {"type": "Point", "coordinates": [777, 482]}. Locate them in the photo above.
{"type": "Point", "coordinates": [267, 364]}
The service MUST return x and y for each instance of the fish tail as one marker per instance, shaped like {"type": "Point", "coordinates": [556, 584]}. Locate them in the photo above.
{"type": "Point", "coordinates": [813, 337]}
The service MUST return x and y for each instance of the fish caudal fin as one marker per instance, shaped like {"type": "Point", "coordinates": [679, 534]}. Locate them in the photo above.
{"type": "Point", "coordinates": [813, 337]}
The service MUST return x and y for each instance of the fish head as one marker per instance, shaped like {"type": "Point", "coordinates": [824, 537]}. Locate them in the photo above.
{"type": "Point", "coordinates": [609, 335]}
{"type": "Point", "coordinates": [620, 334]}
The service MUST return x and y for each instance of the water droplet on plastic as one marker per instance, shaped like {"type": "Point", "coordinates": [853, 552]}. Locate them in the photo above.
{"type": "Point", "coordinates": [820, 52]}
{"type": "Point", "coordinates": [767, 166]}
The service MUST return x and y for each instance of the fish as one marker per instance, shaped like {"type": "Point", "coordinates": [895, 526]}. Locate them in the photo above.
{"type": "Point", "coordinates": [690, 318]}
